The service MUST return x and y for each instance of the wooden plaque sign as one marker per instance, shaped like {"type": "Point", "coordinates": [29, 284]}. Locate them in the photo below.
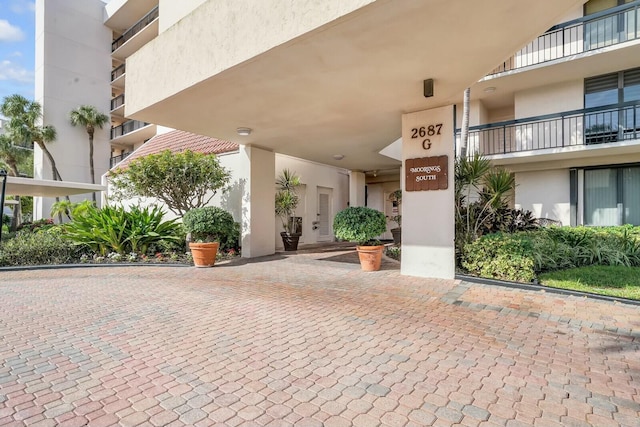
{"type": "Point", "coordinates": [427, 173]}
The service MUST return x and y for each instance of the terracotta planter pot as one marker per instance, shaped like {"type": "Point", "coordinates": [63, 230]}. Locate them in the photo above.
{"type": "Point", "coordinates": [204, 254]}
{"type": "Point", "coordinates": [370, 257]}
{"type": "Point", "coordinates": [290, 240]}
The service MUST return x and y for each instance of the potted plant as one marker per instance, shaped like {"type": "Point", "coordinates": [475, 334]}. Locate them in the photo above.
{"type": "Point", "coordinates": [362, 225]}
{"type": "Point", "coordinates": [396, 199]}
{"type": "Point", "coordinates": [207, 226]}
{"type": "Point", "coordinates": [286, 202]}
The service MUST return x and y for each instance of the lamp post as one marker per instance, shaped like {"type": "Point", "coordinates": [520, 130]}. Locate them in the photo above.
{"type": "Point", "coordinates": [3, 175]}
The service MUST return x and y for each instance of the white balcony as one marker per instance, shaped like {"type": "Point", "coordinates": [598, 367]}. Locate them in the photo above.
{"type": "Point", "coordinates": [141, 33]}
{"type": "Point", "coordinates": [131, 132]}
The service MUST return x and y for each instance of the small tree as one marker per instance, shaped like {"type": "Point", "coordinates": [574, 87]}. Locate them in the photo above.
{"type": "Point", "coordinates": [182, 181]}
{"type": "Point", "coordinates": [90, 118]}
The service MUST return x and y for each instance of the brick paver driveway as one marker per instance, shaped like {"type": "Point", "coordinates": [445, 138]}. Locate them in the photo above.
{"type": "Point", "coordinates": [307, 340]}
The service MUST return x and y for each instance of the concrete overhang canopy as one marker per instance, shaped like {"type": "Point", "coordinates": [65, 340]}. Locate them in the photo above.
{"type": "Point", "coordinates": [313, 79]}
{"type": "Point", "coordinates": [48, 188]}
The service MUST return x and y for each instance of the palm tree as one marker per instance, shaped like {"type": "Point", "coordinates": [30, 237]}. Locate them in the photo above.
{"type": "Point", "coordinates": [24, 116]}
{"type": "Point", "coordinates": [464, 133]}
{"type": "Point", "coordinates": [12, 156]}
{"type": "Point", "coordinates": [89, 117]}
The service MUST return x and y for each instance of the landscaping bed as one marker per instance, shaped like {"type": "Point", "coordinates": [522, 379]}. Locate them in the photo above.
{"type": "Point", "coordinates": [105, 236]}
{"type": "Point", "coordinates": [601, 260]}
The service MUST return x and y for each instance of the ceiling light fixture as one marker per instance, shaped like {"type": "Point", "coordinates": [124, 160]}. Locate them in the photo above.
{"type": "Point", "coordinates": [490, 89]}
{"type": "Point", "coordinates": [244, 131]}
{"type": "Point", "coordinates": [338, 156]}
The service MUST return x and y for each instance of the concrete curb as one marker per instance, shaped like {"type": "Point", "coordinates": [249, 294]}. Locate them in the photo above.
{"type": "Point", "coordinates": [89, 265]}
{"type": "Point", "coordinates": [542, 288]}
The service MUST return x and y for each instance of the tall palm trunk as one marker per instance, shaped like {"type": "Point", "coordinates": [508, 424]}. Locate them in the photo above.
{"type": "Point", "coordinates": [17, 210]}
{"type": "Point", "coordinates": [54, 168]}
{"type": "Point", "coordinates": [464, 133]}
{"type": "Point", "coordinates": [54, 172]}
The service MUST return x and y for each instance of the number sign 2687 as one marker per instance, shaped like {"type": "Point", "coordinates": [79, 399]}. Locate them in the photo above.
{"type": "Point", "coordinates": [423, 131]}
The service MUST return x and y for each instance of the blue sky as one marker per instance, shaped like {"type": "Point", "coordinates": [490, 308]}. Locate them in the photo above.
{"type": "Point", "coordinates": [17, 32]}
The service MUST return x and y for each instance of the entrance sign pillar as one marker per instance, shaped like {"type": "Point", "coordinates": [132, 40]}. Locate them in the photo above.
{"type": "Point", "coordinates": [428, 213]}
{"type": "Point", "coordinates": [258, 201]}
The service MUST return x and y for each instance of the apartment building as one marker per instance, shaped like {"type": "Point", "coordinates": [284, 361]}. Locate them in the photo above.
{"type": "Point", "coordinates": [335, 82]}
{"type": "Point", "coordinates": [563, 113]}
{"type": "Point", "coordinates": [81, 52]}
{"type": "Point", "coordinates": [133, 24]}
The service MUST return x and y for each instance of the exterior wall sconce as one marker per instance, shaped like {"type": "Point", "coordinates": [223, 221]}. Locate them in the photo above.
{"type": "Point", "coordinates": [428, 88]}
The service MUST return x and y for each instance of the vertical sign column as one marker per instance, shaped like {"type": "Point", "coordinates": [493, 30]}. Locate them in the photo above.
{"type": "Point", "coordinates": [428, 217]}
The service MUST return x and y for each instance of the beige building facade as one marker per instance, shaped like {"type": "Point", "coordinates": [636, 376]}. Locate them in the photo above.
{"type": "Point", "coordinates": [337, 82]}
{"type": "Point", "coordinates": [563, 114]}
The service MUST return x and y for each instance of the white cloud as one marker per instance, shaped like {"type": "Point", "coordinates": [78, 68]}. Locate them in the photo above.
{"type": "Point", "coordinates": [14, 72]}
{"type": "Point", "coordinates": [9, 33]}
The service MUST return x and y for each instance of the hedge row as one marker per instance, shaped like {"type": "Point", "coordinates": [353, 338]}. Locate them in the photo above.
{"type": "Point", "coordinates": [521, 256]}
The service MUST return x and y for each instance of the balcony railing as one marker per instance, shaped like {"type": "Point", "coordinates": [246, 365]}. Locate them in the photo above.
{"type": "Point", "coordinates": [606, 28]}
{"type": "Point", "coordinates": [126, 128]}
{"type": "Point", "coordinates": [599, 125]}
{"type": "Point", "coordinates": [117, 159]}
{"type": "Point", "coordinates": [116, 102]}
{"type": "Point", "coordinates": [117, 72]}
{"type": "Point", "coordinates": [135, 28]}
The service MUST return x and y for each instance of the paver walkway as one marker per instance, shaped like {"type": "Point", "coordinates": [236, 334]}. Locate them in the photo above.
{"type": "Point", "coordinates": [307, 340]}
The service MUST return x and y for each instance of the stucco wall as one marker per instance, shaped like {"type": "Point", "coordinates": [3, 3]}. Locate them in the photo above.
{"type": "Point", "coordinates": [377, 198]}
{"type": "Point", "coordinates": [549, 99]}
{"type": "Point", "coordinates": [72, 69]}
{"type": "Point", "coordinates": [545, 194]}
{"type": "Point", "coordinates": [313, 175]}
{"type": "Point", "coordinates": [235, 30]}
{"type": "Point", "coordinates": [171, 11]}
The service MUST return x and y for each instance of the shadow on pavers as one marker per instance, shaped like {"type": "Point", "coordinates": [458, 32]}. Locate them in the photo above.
{"type": "Point", "coordinates": [352, 258]}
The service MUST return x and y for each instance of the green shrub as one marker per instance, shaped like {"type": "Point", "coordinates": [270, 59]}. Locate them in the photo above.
{"type": "Point", "coordinates": [519, 256]}
{"type": "Point", "coordinates": [211, 224]}
{"type": "Point", "coordinates": [231, 240]}
{"type": "Point", "coordinates": [501, 256]}
{"type": "Point", "coordinates": [114, 229]}
{"type": "Point", "coordinates": [569, 247]}
{"type": "Point", "coordinates": [36, 225]}
{"type": "Point", "coordinates": [39, 248]}
{"type": "Point", "coordinates": [359, 224]}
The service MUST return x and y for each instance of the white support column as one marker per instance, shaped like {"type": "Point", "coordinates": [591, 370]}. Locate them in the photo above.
{"type": "Point", "coordinates": [258, 217]}
{"type": "Point", "coordinates": [357, 184]}
{"type": "Point", "coordinates": [428, 217]}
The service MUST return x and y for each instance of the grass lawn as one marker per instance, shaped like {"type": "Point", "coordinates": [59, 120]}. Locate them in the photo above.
{"type": "Point", "coordinates": [614, 281]}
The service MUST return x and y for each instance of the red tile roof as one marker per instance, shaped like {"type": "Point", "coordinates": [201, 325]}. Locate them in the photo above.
{"type": "Point", "coordinates": [178, 141]}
